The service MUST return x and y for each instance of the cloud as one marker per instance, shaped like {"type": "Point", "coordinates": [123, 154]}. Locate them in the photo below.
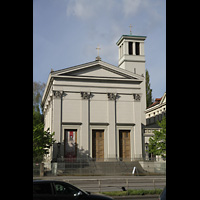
{"type": "Point", "coordinates": [145, 15]}
{"type": "Point", "coordinates": [131, 7]}
{"type": "Point", "coordinates": [87, 9]}
{"type": "Point", "coordinates": [80, 9]}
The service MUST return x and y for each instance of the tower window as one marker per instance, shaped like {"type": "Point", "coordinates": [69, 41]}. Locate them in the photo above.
{"type": "Point", "coordinates": [137, 48]}
{"type": "Point", "coordinates": [130, 48]}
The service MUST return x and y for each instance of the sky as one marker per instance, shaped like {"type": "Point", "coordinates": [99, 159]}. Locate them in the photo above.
{"type": "Point", "coordinates": [66, 33]}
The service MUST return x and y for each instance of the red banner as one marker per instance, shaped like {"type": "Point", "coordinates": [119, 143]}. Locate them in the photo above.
{"type": "Point", "coordinates": [70, 144]}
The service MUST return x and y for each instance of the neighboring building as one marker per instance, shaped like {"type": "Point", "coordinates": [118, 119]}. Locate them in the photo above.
{"type": "Point", "coordinates": [96, 109]}
{"type": "Point", "coordinates": [154, 113]}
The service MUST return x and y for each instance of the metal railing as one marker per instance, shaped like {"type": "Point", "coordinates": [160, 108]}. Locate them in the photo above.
{"type": "Point", "coordinates": [105, 184]}
{"type": "Point", "coordinates": [93, 167]}
{"type": "Point", "coordinates": [116, 184]}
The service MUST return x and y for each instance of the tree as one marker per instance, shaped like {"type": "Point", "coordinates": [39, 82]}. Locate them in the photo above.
{"type": "Point", "coordinates": [157, 143]}
{"type": "Point", "coordinates": [38, 89]}
{"type": "Point", "coordinates": [42, 140]}
{"type": "Point", "coordinates": [149, 99]}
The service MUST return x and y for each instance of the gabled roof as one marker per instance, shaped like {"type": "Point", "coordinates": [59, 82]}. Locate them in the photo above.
{"type": "Point", "coordinates": [163, 99]}
{"type": "Point", "coordinates": [93, 71]}
{"type": "Point", "coordinates": [158, 101]}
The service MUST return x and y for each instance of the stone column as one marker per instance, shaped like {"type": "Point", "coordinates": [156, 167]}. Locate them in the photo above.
{"type": "Point", "coordinates": [85, 133]}
{"type": "Point", "coordinates": [112, 129]}
{"type": "Point", "coordinates": [138, 127]}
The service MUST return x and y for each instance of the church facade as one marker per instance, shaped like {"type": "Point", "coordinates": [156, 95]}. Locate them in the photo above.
{"type": "Point", "coordinates": [97, 109]}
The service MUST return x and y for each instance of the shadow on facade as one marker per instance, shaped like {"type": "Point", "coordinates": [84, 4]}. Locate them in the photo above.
{"type": "Point", "coordinates": [69, 153]}
{"type": "Point", "coordinates": [69, 159]}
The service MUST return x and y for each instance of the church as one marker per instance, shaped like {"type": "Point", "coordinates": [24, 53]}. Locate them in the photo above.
{"type": "Point", "coordinates": [97, 109]}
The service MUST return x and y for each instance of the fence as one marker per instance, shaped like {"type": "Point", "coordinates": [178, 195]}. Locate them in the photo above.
{"type": "Point", "coordinates": [105, 184]}
{"type": "Point", "coordinates": [116, 184]}
{"type": "Point", "coordinates": [92, 167]}
{"type": "Point", "coordinates": [38, 169]}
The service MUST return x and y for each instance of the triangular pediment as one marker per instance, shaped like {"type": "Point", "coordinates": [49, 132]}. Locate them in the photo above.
{"type": "Point", "coordinates": [163, 100]}
{"type": "Point", "coordinates": [97, 70]}
{"type": "Point", "coordinates": [94, 71]}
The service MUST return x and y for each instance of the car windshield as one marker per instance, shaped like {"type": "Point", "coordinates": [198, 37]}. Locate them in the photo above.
{"type": "Point", "coordinates": [64, 188]}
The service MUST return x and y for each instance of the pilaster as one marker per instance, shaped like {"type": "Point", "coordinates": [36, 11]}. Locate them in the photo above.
{"type": "Point", "coordinates": [138, 127]}
{"type": "Point", "coordinates": [85, 116]}
{"type": "Point", "coordinates": [112, 129]}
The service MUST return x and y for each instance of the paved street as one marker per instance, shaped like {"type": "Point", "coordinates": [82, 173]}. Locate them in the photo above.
{"type": "Point", "coordinates": [111, 183]}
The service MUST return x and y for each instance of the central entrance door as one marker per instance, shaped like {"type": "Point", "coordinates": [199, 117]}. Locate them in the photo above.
{"type": "Point", "coordinates": [98, 145]}
{"type": "Point", "coordinates": [124, 145]}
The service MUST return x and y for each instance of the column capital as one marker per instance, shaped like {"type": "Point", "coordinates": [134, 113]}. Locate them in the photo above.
{"type": "Point", "coordinates": [58, 93]}
{"type": "Point", "coordinates": [137, 97]}
{"type": "Point", "coordinates": [86, 95]}
{"type": "Point", "coordinates": [112, 96]}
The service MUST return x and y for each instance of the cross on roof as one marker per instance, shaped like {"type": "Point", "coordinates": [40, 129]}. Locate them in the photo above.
{"type": "Point", "coordinates": [130, 29]}
{"type": "Point", "coordinates": [98, 50]}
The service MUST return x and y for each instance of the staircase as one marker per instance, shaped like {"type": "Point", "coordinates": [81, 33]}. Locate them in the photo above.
{"type": "Point", "coordinates": [101, 168]}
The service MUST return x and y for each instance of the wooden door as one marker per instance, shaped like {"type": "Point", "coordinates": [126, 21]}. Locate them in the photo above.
{"type": "Point", "coordinates": [98, 145]}
{"type": "Point", "coordinates": [124, 145]}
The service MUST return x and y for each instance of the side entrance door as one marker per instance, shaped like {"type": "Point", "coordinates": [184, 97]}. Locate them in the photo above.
{"type": "Point", "coordinates": [124, 145]}
{"type": "Point", "coordinates": [98, 145]}
{"type": "Point", "coordinates": [70, 144]}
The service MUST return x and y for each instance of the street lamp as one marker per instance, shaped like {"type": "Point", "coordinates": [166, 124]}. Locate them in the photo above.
{"type": "Point", "coordinates": [58, 154]}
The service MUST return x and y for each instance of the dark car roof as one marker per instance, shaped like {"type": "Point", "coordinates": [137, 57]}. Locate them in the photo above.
{"type": "Point", "coordinates": [40, 181]}
{"type": "Point", "coordinates": [92, 195]}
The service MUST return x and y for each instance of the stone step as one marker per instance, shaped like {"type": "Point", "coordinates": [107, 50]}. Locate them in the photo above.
{"type": "Point", "coordinates": [102, 168]}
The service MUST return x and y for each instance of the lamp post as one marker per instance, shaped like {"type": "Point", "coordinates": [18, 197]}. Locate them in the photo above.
{"type": "Point", "coordinates": [58, 154]}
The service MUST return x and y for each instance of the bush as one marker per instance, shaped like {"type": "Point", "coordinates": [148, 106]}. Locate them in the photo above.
{"type": "Point", "coordinates": [133, 192]}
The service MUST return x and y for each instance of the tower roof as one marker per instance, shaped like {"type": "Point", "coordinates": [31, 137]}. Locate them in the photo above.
{"type": "Point", "coordinates": [137, 37]}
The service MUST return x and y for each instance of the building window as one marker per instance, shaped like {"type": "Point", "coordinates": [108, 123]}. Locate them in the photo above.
{"type": "Point", "coordinates": [130, 48]}
{"type": "Point", "coordinates": [121, 50]}
{"type": "Point", "coordinates": [137, 48]}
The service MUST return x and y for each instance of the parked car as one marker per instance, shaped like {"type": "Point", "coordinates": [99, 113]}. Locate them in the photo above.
{"type": "Point", "coordinates": [163, 195]}
{"type": "Point", "coordinates": [59, 190]}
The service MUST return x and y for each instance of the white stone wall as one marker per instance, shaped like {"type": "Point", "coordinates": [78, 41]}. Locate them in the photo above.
{"type": "Point", "coordinates": [110, 115]}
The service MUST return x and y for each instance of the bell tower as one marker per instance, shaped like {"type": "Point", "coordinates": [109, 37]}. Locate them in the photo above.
{"type": "Point", "coordinates": [131, 53]}
{"type": "Point", "coordinates": [132, 58]}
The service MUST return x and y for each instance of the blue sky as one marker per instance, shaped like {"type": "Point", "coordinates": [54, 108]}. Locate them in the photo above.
{"type": "Point", "coordinates": [67, 32]}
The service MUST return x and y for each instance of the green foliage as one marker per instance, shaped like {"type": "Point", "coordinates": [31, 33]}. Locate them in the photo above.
{"type": "Point", "coordinates": [115, 193]}
{"type": "Point", "coordinates": [37, 116]}
{"type": "Point", "coordinates": [157, 143]}
{"type": "Point", "coordinates": [149, 99]}
{"type": "Point", "coordinates": [133, 192]}
{"type": "Point", "coordinates": [42, 140]}
{"type": "Point", "coordinates": [38, 89]}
